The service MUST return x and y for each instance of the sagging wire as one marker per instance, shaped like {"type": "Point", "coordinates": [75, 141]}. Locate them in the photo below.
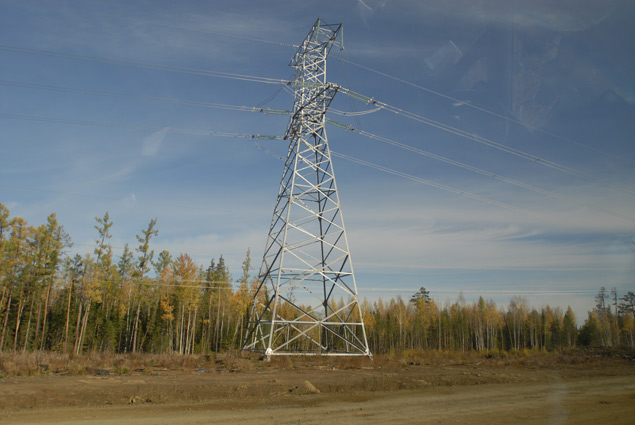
{"type": "Point", "coordinates": [143, 128]}
{"type": "Point", "coordinates": [474, 169]}
{"type": "Point", "coordinates": [258, 108]}
{"type": "Point", "coordinates": [482, 140]}
{"type": "Point", "coordinates": [418, 180]}
{"type": "Point", "coordinates": [139, 64]}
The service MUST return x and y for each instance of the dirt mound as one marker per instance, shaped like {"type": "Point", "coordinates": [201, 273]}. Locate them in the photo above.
{"type": "Point", "coordinates": [304, 388]}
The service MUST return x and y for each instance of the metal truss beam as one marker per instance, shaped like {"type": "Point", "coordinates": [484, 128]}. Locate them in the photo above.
{"type": "Point", "coordinates": [306, 301]}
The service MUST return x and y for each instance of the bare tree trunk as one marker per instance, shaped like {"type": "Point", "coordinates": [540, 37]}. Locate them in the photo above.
{"type": "Point", "coordinates": [617, 317]}
{"type": "Point", "coordinates": [188, 333]}
{"type": "Point", "coordinates": [239, 326]}
{"type": "Point", "coordinates": [136, 325]}
{"type": "Point", "coordinates": [152, 315]}
{"type": "Point", "coordinates": [77, 327]}
{"type": "Point", "coordinates": [6, 320]}
{"type": "Point", "coordinates": [37, 321]}
{"type": "Point", "coordinates": [68, 316]}
{"type": "Point", "coordinates": [180, 329]}
{"type": "Point", "coordinates": [439, 327]}
{"type": "Point", "coordinates": [82, 333]}
{"type": "Point", "coordinates": [222, 323]}
{"type": "Point", "coordinates": [17, 323]}
{"type": "Point", "coordinates": [46, 307]}
{"type": "Point", "coordinates": [28, 327]}
{"type": "Point", "coordinates": [209, 324]}
{"type": "Point", "coordinates": [3, 298]}
{"type": "Point", "coordinates": [216, 333]}
{"type": "Point", "coordinates": [128, 324]}
{"type": "Point", "coordinates": [194, 319]}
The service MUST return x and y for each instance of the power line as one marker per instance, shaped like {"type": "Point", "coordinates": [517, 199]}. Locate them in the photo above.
{"type": "Point", "coordinates": [475, 169]}
{"type": "Point", "coordinates": [228, 35]}
{"type": "Point", "coordinates": [139, 64]}
{"type": "Point", "coordinates": [439, 185]}
{"type": "Point", "coordinates": [254, 137]}
{"type": "Point", "coordinates": [382, 105]}
{"type": "Point", "coordinates": [472, 106]}
{"type": "Point", "coordinates": [143, 128]}
{"type": "Point", "coordinates": [284, 83]}
{"type": "Point", "coordinates": [269, 80]}
{"type": "Point", "coordinates": [286, 112]}
{"type": "Point", "coordinates": [155, 283]}
{"type": "Point", "coordinates": [493, 291]}
{"type": "Point", "coordinates": [434, 184]}
{"type": "Point", "coordinates": [268, 111]}
{"type": "Point", "coordinates": [482, 140]}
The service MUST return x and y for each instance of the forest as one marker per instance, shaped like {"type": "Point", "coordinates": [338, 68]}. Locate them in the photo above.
{"type": "Point", "coordinates": [142, 303]}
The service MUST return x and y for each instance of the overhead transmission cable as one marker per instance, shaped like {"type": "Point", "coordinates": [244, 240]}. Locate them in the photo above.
{"type": "Point", "coordinates": [230, 286]}
{"type": "Point", "coordinates": [470, 105]}
{"type": "Point", "coordinates": [139, 64]}
{"type": "Point", "coordinates": [229, 35]}
{"type": "Point", "coordinates": [144, 128]}
{"type": "Point", "coordinates": [482, 140]}
{"type": "Point", "coordinates": [354, 95]}
{"type": "Point", "coordinates": [487, 291]}
{"type": "Point", "coordinates": [255, 137]}
{"type": "Point", "coordinates": [268, 80]}
{"type": "Point", "coordinates": [436, 185]}
{"type": "Point", "coordinates": [279, 112]}
{"type": "Point", "coordinates": [350, 100]}
{"type": "Point", "coordinates": [418, 180]}
{"type": "Point", "coordinates": [473, 169]}
{"type": "Point", "coordinates": [263, 110]}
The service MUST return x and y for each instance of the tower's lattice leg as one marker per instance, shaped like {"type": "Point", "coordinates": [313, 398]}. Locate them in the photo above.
{"type": "Point", "coordinates": [306, 301]}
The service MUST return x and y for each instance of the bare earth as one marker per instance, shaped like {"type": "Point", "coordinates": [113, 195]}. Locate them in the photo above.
{"type": "Point", "coordinates": [366, 393]}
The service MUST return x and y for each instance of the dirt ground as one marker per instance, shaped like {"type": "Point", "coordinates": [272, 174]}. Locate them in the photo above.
{"type": "Point", "coordinates": [313, 392]}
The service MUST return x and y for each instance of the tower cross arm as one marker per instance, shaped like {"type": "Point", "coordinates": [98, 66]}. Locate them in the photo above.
{"type": "Point", "coordinates": [307, 110]}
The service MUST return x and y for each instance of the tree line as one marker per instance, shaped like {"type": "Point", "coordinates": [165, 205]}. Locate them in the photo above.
{"type": "Point", "coordinates": [483, 326]}
{"type": "Point", "coordinates": [139, 302]}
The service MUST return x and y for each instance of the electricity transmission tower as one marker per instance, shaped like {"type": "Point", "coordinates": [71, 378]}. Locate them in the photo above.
{"type": "Point", "coordinates": [306, 301]}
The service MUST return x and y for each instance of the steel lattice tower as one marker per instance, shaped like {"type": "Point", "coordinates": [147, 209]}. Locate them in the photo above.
{"type": "Point", "coordinates": [306, 301]}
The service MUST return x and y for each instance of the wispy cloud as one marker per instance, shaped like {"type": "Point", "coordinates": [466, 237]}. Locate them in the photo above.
{"type": "Point", "coordinates": [566, 15]}
{"type": "Point", "coordinates": [132, 30]}
{"type": "Point", "coordinates": [152, 143]}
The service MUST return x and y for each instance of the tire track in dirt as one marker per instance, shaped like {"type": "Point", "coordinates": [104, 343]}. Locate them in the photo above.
{"type": "Point", "coordinates": [551, 399]}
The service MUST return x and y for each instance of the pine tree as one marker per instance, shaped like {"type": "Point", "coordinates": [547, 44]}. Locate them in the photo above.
{"type": "Point", "coordinates": [143, 266]}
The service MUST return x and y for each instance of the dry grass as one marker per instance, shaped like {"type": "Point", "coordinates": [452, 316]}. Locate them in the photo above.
{"type": "Point", "coordinates": [533, 358]}
{"type": "Point", "coordinates": [35, 363]}
{"type": "Point", "coordinates": [38, 363]}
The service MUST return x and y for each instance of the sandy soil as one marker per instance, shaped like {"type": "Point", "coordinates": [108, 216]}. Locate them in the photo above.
{"type": "Point", "coordinates": [368, 393]}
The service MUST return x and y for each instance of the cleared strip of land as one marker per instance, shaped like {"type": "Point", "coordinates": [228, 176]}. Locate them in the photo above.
{"type": "Point", "coordinates": [322, 392]}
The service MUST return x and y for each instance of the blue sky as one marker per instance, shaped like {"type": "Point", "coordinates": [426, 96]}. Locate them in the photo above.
{"type": "Point", "coordinates": [85, 128]}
